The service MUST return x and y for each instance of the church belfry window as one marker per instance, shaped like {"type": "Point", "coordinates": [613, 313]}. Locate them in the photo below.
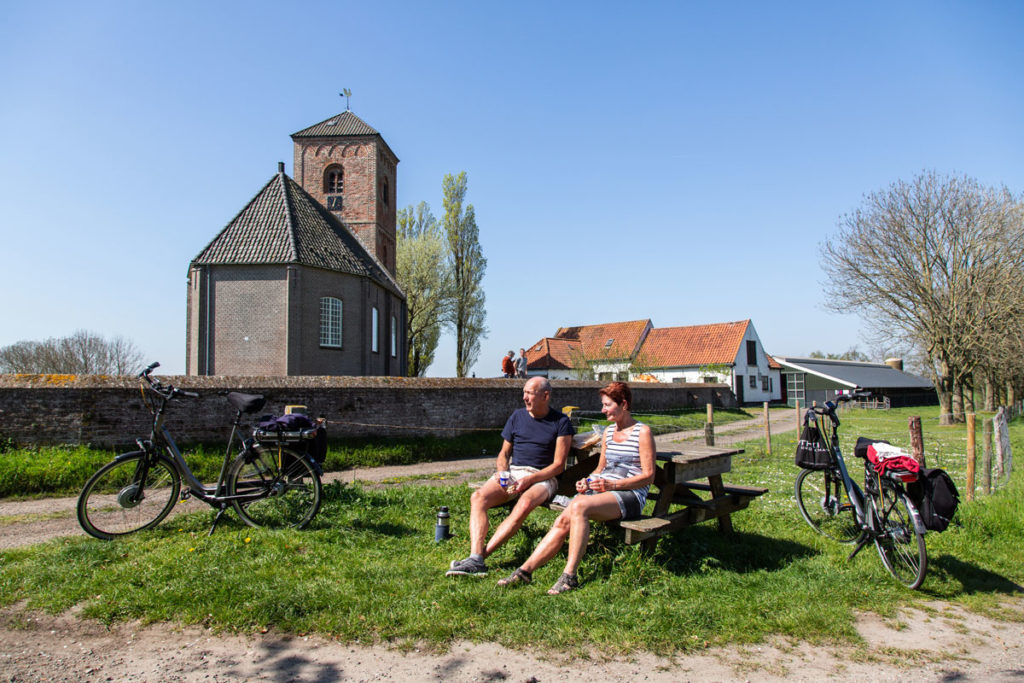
{"type": "Point", "coordinates": [334, 180]}
{"type": "Point", "coordinates": [330, 322]}
{"type": "Point", "coordinates": [385, 190]}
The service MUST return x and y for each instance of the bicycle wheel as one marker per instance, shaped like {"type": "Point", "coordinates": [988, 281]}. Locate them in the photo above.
{"type": "Point", "coordinates": [286, 491]}
{"type": "Point", "coordinates": [900, 545]}
{"type": "Point", "coordinates": [819, 495]}
{"type": "Point", "coordinates": [117, 500]}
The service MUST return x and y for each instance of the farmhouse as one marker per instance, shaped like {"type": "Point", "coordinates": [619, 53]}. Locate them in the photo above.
{"type": "Point", "coordinates": [728, 353]}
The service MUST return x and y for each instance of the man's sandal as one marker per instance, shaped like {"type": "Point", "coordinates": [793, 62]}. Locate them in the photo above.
{"type": "Point", "coordinates": [520, 575]}
{"type": "Point", "coordinates": [566, 582]}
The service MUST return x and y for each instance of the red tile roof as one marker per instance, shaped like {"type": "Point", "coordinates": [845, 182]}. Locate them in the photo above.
{"type": "Point", "coordinates": [669, 347]}
{"type": "Point", "coordinates": [625, 338]}
{"type": "Point", "coordinates": [551, 353]}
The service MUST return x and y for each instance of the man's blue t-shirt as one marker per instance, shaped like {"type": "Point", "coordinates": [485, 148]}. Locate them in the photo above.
{"type": "Point", "coordinates": [533, 440]}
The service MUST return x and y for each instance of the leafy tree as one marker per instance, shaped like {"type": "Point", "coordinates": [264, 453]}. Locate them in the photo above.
{"type": "Point", "coordinates": [468, 264]}
{"type": "Point", "coordinates": [935, 263]}
{"type": "Point", "coordinates": [82, 353]}
{"type": "Point", "coordinates": [425, 274]}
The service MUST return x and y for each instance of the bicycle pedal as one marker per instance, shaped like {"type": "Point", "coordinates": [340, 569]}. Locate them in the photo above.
{"type": "Point", "coordinates": [185, 495]}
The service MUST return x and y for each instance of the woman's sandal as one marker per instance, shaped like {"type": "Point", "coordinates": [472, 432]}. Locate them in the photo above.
{"type": "Point", "coordinates": [566, 582]}
{"type": "Point", "coordinates": [520, 575]}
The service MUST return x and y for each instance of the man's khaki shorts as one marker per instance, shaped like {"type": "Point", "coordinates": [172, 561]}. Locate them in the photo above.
{"type": "Point", "coordinates": [551, 485]}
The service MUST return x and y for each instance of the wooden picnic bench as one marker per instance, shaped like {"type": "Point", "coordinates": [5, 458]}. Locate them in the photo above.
{"type": "Point", "coordinates": [677, 478]}
{"type": "Point", "coordinates": [679, 475]}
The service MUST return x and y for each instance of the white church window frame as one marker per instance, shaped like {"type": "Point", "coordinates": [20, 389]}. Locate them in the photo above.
{"type": "Point", "coordinates": [330, 322]}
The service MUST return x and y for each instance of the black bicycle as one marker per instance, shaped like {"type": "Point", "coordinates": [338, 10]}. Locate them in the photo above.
{"type": "Point", "coordinates": [268, 482]}
{"type": "Point", "coordinates": [832, 503]}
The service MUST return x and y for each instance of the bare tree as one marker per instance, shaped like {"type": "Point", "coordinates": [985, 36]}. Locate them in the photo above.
{"type": "Point", "coordinates": [933, 263]}
{"type": "Point", "coordinates": [82, 353]}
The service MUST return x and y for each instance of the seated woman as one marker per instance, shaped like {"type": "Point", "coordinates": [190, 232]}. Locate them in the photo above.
{"type": "Point", "coordinates": [616, 490]}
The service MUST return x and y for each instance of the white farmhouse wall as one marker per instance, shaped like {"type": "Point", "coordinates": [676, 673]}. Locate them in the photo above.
{"type": "Point", "coordinates": [767, 381]}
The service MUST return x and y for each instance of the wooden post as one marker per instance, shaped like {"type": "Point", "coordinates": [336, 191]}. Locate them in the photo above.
{"type": "Point", "coordinates": [799, 418]}
{"type": "Point", "coordinates": [986, 459]}
{"type": "Point", "coordinates": [970, 455]}
{"type": "Point", "coordinates": [767, 431]}
{"type": "Point", "coordinates": [709, 427]}
{"type": "Point", "coordinates": [916, 439]}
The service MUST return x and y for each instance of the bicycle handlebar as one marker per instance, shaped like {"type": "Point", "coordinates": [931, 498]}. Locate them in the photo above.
{"type": "Point", "coordinates": [168, 391]}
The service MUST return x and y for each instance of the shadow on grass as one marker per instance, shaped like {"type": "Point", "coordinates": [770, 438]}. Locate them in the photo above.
{"type": "Point", "coordinates": [688, 552]}
{"type": "Point", "coordinates": [693, 550]}
{"type": "Point", "coordinates": [973, 578]}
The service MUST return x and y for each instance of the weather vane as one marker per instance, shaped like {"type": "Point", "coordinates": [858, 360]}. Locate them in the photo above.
{"type": "Point", "coordinates": [346, 93]}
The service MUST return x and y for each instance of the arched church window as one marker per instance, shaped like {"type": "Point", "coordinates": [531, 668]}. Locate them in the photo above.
{"type": "Point", "coordinates": [385, 190]}
{"type": "Point", "coordinates": [334, 180]}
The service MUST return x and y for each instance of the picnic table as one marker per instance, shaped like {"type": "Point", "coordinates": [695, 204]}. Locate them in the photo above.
{"type": "Point", "coordinates": [679, 475]}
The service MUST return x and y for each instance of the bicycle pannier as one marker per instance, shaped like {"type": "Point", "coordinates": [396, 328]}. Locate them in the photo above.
{"type": "Point", "coordinates": [811, 452]}
{"type": "Point", "coordinates": [936, 498]}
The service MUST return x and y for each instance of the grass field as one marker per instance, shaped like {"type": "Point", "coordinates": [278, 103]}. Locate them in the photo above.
{"type": "Point", "coordinates": [368, 570]}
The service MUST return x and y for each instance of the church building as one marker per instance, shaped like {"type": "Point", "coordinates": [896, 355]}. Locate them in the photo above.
{"type": "Point", "coordinates": [302, 280]}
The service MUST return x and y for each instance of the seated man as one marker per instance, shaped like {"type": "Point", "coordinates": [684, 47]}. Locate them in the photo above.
{"type": "Point", "coordinates": [537, 439]}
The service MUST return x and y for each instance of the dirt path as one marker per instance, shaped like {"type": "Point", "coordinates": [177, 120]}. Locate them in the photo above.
{"type": "Point", "coordinates": [946, 644]}
{"type": "Point", "coordinates": [943, 644]}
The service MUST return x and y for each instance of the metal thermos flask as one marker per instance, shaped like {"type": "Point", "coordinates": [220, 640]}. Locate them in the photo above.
{"type": "Point", "coordinates": [441, 530]}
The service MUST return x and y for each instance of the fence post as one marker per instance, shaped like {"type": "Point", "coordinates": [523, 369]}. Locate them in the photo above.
{"type": "Point", "coordinates": [767, 431]}
{"type": "Point", "coordinates": [709, 427]}
{"type": "Point", "coordinates": [798, 417]}
{"type": "Point", "coordinates": [916, 439]}
{"type": "Point", "coordinates": [986, 459]}
{"type": "Point", "coordinates": [970, 455]}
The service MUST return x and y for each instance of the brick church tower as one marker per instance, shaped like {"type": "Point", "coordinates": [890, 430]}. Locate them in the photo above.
{"type": "Point", "coordinates": [346, 166]}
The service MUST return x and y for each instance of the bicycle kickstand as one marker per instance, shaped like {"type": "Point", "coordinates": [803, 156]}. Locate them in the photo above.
{"type": "Point", "coordinates": [216, 518]}
{"type": "Point", "coordinates": [864, 539]}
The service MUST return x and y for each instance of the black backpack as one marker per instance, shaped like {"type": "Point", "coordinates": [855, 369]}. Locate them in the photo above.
{"type": "Point", "coordinates": [811, 452]}
{"type": "Point", "coordinates": [936, 498]}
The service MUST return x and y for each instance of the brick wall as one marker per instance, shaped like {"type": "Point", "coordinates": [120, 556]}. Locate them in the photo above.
{"type": "Point", "coordinates": [365, 161]}
{"type": "Point", "coordinates": [108, 411]}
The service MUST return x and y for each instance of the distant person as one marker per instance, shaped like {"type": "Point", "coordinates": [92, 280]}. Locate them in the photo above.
{"type": "Point", "coordinates": [508, 368]}
{"type": "Point", "coordinates": [616, 490]}
{"type": "Point", "coordinates": [521, 364]}
{"type": "Point", "coordinates": [536, 441]}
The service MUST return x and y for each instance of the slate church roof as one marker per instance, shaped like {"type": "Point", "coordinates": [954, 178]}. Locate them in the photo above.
{"type": "Point", "coordinates": [283, 224]}
{"type": "Point", "coordinates": [345, 123]}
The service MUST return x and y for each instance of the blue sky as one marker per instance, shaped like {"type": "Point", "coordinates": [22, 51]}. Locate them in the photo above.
{"type": "Point", "coordinates": [673, 161]}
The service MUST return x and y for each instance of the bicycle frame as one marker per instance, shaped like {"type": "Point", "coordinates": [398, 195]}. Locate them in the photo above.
{"type": "Point", "coordinates": [215, 495]}
{"type": "Point", "coordinates": [853, 491]}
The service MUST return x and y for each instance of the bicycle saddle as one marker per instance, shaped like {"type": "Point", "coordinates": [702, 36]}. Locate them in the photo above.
{"type": "Point", "coordinates": [246, 403]}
